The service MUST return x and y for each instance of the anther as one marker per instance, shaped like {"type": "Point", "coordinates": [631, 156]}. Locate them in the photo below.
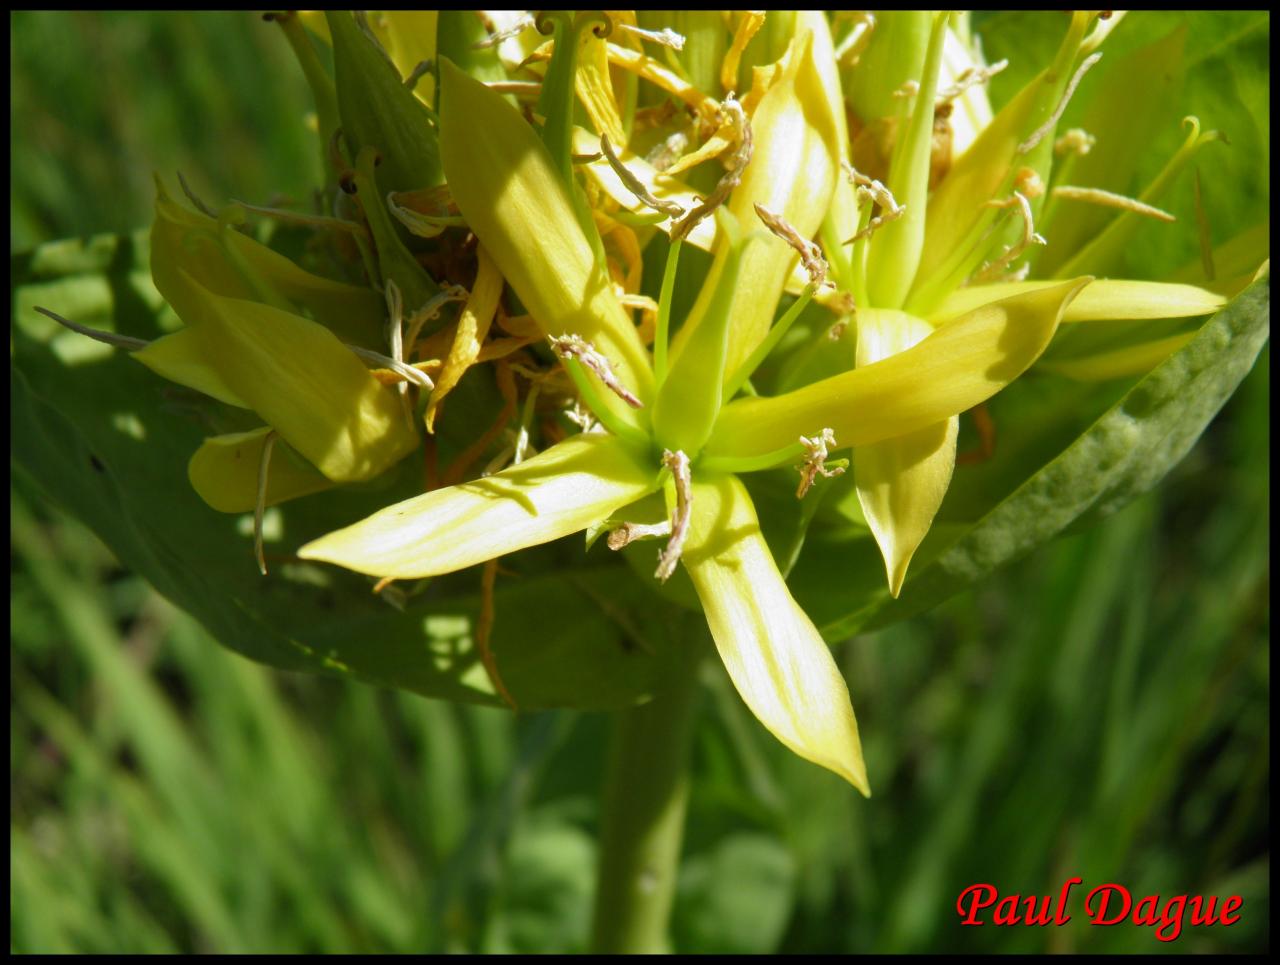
{"type": "Point", "coordinates": [810, 254]}
{"type": "Point", "coordinates": [635, 185]}
{"type": "Point", "coordinates": [628, 533]}
{"type": "Point", "coordinates": [1075, 141]}
{"type": "Point", "coordinates": [1029, 182]}
{"type": "Point", "coordinates": [1110, 199]}
{"type": "Point", "coordinates": [817, 451]}
{"type": "Point", "coordinates": [519, 26]}
{"type": "Point", "coordinates": [666, 36]}
{"type": "Point", "coordinates": [576, 347]}
{"type": "Point", "coordinates": [873, 191]}
{"type": "Point", "coordinates": [678, 463]}
{"type": "Point", "coordinates": [993, 270]}
{"type": "Point", "coordinates": [971, 77]}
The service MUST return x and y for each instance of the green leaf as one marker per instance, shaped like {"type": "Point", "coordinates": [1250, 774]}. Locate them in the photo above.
{"type": "Point", "coordinates": [110, 441]}
{"type": "Point", "coordinates": [1066, 455]}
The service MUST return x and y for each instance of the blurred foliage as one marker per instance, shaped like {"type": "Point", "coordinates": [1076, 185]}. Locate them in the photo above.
{"type": "Point", "coordinates": [1100, 710]}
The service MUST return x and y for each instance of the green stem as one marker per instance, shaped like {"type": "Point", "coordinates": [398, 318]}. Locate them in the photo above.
{"type": "Point", "coordinates": [642, 823]}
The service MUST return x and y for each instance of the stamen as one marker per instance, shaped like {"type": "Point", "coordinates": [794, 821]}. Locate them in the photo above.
{"type": "Point", "coordinates": [871, 190]}
{"type": "Point", "coordinates": [1075, 141]}
{"type": "Point", "coordinates": [408, 372]}
{"type": "Point", "coordinates": [421, 68]}
{"type": "Point", "coordinates": [450, 293]}
{"type": "Point", "coordinates": [635, 185]}
{"type": "Point", "coordinates": [810, 254]}
{"type": "Point", "coordinates": [1111, 200]}
{"type": "Point", "coordinates": [194, 198]}
{"type": "Point", "coordinates": [261, 504]}
{"type": "Point", "coordinates": [678, 463]}
{"type": "Point", "coordinates": [993, 270]}
{"type": "Point", "coordinates": [108, 338]}
{"type": "Point", "coordinates": [395, 338]}
{"type": "Point", "coordinates": [855, 42]}
{"type": "Point", "coordinates": [1029, 182]}
{"type": "Point", "coordinates": [1043, 130]}
{"type": "Point", "coordinates": [817, 451]}
{"type": "Point", "coordinates": [909, 88]}
{"type": "Point", "coordinates": [666, 36]}
{"type": "Point", "coordinates": [628, 533]}
{"type": "Point", "coordinates": [318, 221]}
{"type": "Point", "coordinates": [971, 77]}
{"type": "Point", "coordinates": [521, 24]}
{"type": "Point", "coordinates": [576, 347]}
{"type": "Point", "coordinates": [737, 165]}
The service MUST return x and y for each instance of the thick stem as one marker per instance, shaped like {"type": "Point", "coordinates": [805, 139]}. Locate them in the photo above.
{"type": "Point", "coordinates": [642, 821]}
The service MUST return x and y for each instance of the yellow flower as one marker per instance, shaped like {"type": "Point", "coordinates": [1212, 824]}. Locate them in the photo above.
{"type": "Point", "coordinates": [675, 428]}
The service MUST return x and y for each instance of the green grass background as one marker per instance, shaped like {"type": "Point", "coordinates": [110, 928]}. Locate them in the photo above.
{"type": "Point", "coordinates": [1099, 710]}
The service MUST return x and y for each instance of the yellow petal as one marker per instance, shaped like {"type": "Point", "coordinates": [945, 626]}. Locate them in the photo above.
{"type": "Point", "coordinates": [594, 87]}
{"type": "Point", "coordinates": [224, 472]}
{"type": "Point", "coordinates": [411, 39]}
{"type": "Point", "coordinates": [1104, 300]}
{"type": "Point", "coordinates": [180, 358]}
{"type": "Point", "coordinates": [901, 482]}
{"type": "Point", "coordinates": [299, 378]}
{"type": "Point", "coordinates": [775, 656]}
{"type": "Point", "coordinates": [229, 262]}
{"type": "Point", "coordinates": [964, 362]}
{"type": "Point", "coordinates": [507, 188]}
{"type": "Point", "coordinates": [561, 491]}
{"type": "Point", "coordinates": [473, 327]}
{"type": "Point", "coordinates": [792, 173]}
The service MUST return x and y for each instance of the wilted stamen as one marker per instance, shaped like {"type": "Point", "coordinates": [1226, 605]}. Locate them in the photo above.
{"type": "Point", "coordinates": [450, 293]}
{"type": "Point", "coordinates": [1075, 141]}
{"type": "Point", "coordinates": [521, 24]}
{"type": "Point", "coordinates": [994, 269]}
{"type": "Point", "coordinates": [678, 463]}
{"type": "Point", "coordinates": [408, 372]}
{"type": "Point", "coordinates": [810, 254]}
{"type": "Point", "coordinates": [628, 533]}
{"type": "Point", "coordinates": [1111, 200]}
{"type": "Point", "coordinates": [576, 347]}
{"type": "Point", "coordinates": [817, 451]}
{"type": "Point", "coordinates": [635, 185]}
{"type": "Point", "coordinates": [108, 338]}
{"type": "Point", "coordinates": [871, 190]}
{"type": "Point", "coordinates": [666, 36]}
{"type": "Point", "coordinates": [264, 463]}
{"type": "Point", "coordinates": [1043, 130]}
{"type": "Point", "coordinates": [737, 166]}
{"type": "Point", "coordinates": [909, 88]}
{"type": "Point", "coordinates": [971, 77]}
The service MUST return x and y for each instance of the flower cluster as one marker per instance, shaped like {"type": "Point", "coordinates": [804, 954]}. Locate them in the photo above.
{"type": "Point", "coordinates": [849, 170]}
